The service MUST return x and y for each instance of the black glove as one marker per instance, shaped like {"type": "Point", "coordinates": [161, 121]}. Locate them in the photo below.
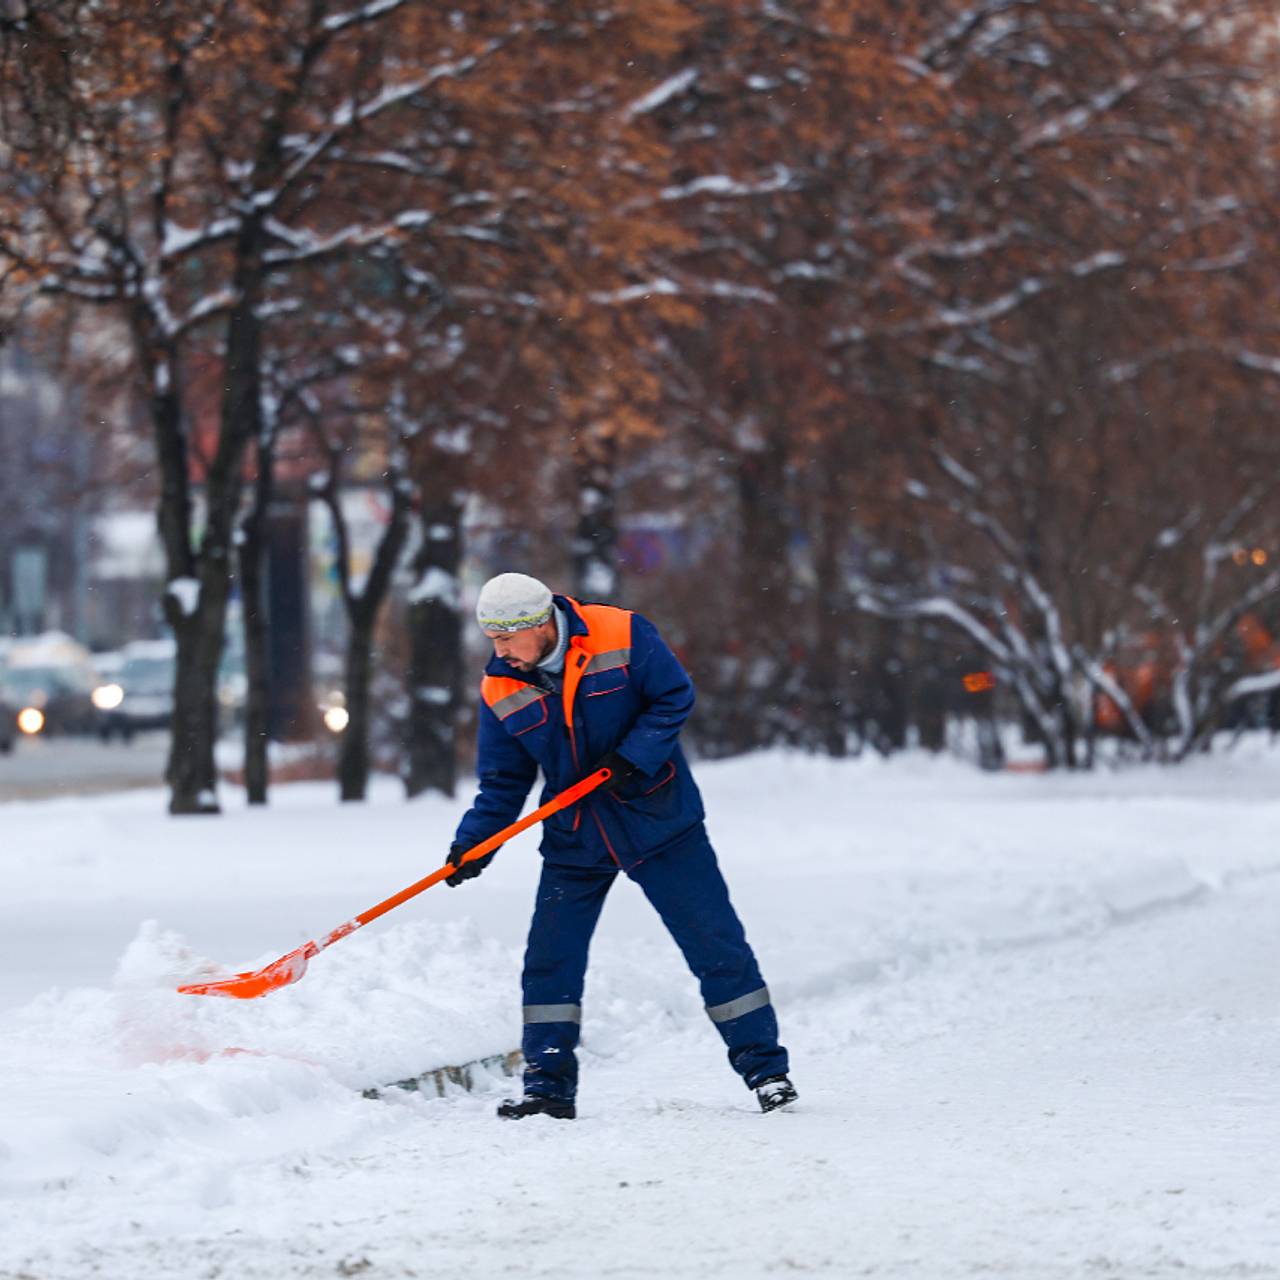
{"type": "Point", "coordinates": [466, 870]}
{"type": "Point", "coordinates": [622, 772]}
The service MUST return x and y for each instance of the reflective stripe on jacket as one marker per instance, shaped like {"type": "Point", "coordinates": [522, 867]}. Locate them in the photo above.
{"type": "Point", "coordinates": [624, 690]}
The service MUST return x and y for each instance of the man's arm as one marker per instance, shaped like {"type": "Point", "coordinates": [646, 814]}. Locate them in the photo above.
{"type": "Point", "coordinates": [668, 693]}
{"type": "Point", "coordinates": [506, 772]}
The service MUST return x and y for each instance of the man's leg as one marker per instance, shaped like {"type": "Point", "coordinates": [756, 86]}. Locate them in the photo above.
{"type": "Point", "coordinates": [555, 965]}
{"type": "Point", "coordinates": [689, 893]}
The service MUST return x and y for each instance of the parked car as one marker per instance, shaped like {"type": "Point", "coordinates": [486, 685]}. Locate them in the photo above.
{"type": "Point", "coordinates": [138, 692]}
{"type": "Point", "coordinates": [139, 695]}
{"type": "Point", "coordinates": [50, 699]}
{"type": "Point", "coordinates": [47, 680]}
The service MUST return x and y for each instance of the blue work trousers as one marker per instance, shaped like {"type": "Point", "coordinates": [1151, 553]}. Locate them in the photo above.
{"type": "Point", "coordinates": [686, 888]}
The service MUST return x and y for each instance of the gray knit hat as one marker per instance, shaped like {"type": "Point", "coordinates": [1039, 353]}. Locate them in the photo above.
{"type": "Point", "coordinates": [513, 602]}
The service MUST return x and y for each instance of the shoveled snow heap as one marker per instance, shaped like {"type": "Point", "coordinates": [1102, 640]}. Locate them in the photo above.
{"type": "Point", "coordinates": [105, 1078]}
{"type": "Point", "coordinates": [1033, 1022]}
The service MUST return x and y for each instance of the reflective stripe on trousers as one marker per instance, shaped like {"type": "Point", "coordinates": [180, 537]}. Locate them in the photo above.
{"type": "Point", "coordinates": [552, 1013]}
{"type": "Point", "coordinates": [737, 1008]}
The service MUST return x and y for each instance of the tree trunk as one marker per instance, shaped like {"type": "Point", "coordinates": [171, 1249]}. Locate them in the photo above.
{"type": "Point", "coordinates": [827, 674]}
{"type": "Point", "coordinates": [930, 700]}
{"type": "Point", "coordinates": [198, 616]}
{"type": "Point", "coordinates": [1063, 703]}
{"type": "Point", "coordinates": [353, 758]}
{"type": "Point", "coordinates": [767, 698]}
{"type": "Point", "coordinates": [173, 517]}
{"type": "Point", "coordinates": [253, 598]}
{"type": "Point", "coordinates": [595, 566]}
{"type": "Point", "coordinates": [887, 696]}
{"type": "Point", "coordinates": [764, 530]}
{"type": "Point", "coordinates": [191, 772]}
{"type": "Point", "coordinates": [362, 617]}
{"type": "Point", "coordinates": [435, 664]}
{"type": "Point", "coordinates": [991, 755]}
{"type": "Point", "coordinates": [258, 691]}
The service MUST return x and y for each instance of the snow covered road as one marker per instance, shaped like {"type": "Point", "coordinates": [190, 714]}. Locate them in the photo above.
{"type": "Point", "coordinates": [1034, 1022]}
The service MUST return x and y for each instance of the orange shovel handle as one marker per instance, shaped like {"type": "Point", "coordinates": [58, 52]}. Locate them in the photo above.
{"type": "Point", "coordinates": [290, 968]}
{"type": "Point", "coordinates": [567, 797]}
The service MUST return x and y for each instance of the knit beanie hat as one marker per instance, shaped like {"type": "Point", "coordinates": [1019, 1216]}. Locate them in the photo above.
{"type": "Point", "coordinates": [512, 602]}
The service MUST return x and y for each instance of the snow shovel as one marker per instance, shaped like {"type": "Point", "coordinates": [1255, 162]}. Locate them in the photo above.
{"type": "Point", "coordinates": [291, 967]}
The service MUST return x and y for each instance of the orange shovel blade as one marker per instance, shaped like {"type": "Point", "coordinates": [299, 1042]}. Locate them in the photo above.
{"type": "Point", "coordinates": [248, 986]}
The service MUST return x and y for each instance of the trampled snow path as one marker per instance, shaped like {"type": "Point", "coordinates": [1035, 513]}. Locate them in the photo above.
{"type": "Point", "coordinates": [1034, 1021]}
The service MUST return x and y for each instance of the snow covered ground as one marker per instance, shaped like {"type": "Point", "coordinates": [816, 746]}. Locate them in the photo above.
{"type": "Point", "coordinates": [1033, 1021]}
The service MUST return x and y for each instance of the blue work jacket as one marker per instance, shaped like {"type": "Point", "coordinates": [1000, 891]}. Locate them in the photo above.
{"type": "Point", "coordinates": [625, 691]}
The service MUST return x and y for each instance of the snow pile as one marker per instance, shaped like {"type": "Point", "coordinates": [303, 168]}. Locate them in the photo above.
{"type": "Point", "coordinates": [374, 1007]}
{"type": "Point", "coordinates": [94, 1076]}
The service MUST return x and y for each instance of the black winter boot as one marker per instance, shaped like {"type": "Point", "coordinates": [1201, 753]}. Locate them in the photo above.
{"type": "Point", "coordinates": [530, 1105]}
{"type": "Point", "coordinates": [775, 1092]}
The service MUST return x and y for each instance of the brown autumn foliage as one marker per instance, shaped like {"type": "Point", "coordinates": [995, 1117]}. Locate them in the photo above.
{"type": "Point", "coordinates": [895, 309]}
{"type": "Point", "coordinates": [969, 276]}
{"type": "Point", "coordinates": [1093, 433]}
{"type": "Point", "coordinates": [184, 164]}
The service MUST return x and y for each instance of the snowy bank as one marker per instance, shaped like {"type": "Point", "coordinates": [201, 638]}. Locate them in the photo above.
{"type": "Point", "coordinates": [893, 904]}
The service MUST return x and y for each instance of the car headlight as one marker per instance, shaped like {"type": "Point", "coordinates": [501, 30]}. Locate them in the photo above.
{"type": "Point", "coordinates": [31, 720]}
{"type": "Point", "coordinates": [336, 719]}
{"type": "Point", "coordinates": [107, 697]}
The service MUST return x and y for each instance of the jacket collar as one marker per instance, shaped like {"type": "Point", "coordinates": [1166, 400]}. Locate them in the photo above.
{"type": "Point", "coordinates": [576, 625]}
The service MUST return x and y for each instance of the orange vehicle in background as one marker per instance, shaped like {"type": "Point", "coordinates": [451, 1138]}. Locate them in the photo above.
{"type": "Point", "coordinates": [1145, 673]}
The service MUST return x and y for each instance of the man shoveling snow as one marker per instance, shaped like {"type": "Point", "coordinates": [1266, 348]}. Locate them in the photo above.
{"type": "Point", "coordinates": [571, 688]}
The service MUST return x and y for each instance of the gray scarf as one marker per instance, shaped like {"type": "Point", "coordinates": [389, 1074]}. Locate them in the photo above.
{"type": "Point", "coordinates": [553, 663]}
